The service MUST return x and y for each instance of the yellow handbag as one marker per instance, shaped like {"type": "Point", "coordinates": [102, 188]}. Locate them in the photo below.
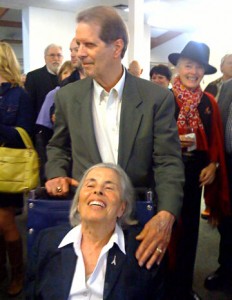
{"type": "Point", "coordinates": [19, 168]}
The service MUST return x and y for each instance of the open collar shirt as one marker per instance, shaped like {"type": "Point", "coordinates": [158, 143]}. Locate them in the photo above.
{"type": "Point", "coordinates": [106, 109]}
{"type": "Point", "coordinates": [91, 287]}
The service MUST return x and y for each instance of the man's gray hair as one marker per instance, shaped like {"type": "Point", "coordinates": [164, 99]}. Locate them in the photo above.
{"type": "Point", "coordinates": [127, 196]}
{"type": "Point", "coordinates": [111, 24]}
{"type": "Point", "coordinates": [224, 58]}
{"type": "Point", "coordinates": [51, 46]}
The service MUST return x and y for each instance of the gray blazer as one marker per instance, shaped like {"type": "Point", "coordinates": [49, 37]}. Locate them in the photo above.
{"type": "Point", "coordinates": [149, 149]}
{"type": "Point", "coordinates": [224, 100]}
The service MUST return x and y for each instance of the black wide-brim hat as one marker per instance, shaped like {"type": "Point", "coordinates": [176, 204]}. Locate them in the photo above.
{"type": "Point", "coordinates": [198, 52]}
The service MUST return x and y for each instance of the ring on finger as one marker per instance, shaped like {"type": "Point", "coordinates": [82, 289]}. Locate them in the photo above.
{"type": "Point", "coordinates": [159, 250]}
{"type": "Point", "coordinates": [59, 189]}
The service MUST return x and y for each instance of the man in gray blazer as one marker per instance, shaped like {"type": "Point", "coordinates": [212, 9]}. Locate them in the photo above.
{"type": "Point", "coordinates": [223, 275]}
{"type": "Point", "coordinates": [112, 116]}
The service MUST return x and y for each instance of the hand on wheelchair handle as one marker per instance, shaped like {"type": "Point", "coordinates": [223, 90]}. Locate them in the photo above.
{"type": "Point", "coordinates": [58, 188]}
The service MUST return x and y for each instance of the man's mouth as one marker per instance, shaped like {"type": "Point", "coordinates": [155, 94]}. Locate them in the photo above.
{"type": "Point", "coordinates": [86, 64]}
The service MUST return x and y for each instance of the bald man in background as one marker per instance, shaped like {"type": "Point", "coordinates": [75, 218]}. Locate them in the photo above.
{"type": "Point", "coordinates": [214, 87]}
{"type": "Point", "coordinates": [135, 69]}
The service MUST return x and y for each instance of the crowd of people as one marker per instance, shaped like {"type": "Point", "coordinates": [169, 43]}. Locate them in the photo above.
{"type": "Point", "coordinates": [101, 128]}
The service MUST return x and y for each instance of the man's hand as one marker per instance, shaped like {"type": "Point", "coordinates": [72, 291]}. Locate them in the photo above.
{"type": "Point", "coordinates": [154, 238]}
{"type": "Point", "coordinates": [59, 186]}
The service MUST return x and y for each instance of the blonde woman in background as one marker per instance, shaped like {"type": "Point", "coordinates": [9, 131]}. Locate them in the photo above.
{"type": "Point", "coordinates": [15, 110]}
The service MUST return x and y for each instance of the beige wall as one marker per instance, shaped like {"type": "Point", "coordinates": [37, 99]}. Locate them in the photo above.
{"type": "Point", "coordinates": [42, 27]}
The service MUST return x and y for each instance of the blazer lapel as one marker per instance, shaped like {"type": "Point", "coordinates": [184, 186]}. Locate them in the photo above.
{"type": "Point", "coordinates": [130, 120]}
{"type": "Point", "coordinates": [68, 265]}
{"type": "Point", "coordinates": [86, 121]}
{"type": "Point", "coordinates": [114, 267]}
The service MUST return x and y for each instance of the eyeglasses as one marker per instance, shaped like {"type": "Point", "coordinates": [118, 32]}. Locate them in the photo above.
{"type": "Point", "coordinates": [55, 55]}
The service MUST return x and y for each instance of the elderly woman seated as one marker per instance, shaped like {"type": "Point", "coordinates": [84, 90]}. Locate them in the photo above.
{"type": "Point", "coordinates": [95, 258]}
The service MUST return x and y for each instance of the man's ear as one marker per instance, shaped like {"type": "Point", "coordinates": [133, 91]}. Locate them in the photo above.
{"type": "Point", "coordinates": [118, 46]}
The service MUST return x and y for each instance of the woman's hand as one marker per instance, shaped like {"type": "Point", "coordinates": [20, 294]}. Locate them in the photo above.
{"type": "Point", "coordinates": [207, 175]}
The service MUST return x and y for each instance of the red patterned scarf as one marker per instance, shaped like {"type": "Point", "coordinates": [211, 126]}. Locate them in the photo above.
{"type": "Point", "coordinates": [189, 118]}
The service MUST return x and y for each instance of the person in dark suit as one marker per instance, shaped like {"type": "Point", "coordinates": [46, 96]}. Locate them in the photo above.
{"type": "Point", "coordinates": [214, 87]}
{"type": "Point", "coordinates": [112, 116]}
{"type": "Point", "coordinates": [95, 257]}
{"type": "Point", "coordinates": [38, 84]}
{"type": "Point", "coordinates": [223, 275]}
{"type": "Point", "coordinates": [41, 81]}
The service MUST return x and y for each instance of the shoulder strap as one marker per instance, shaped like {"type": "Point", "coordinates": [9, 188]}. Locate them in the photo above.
{"type": "Point", "coordinates": [25, 137]}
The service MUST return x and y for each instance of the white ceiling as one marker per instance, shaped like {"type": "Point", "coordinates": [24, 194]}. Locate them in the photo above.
{"type": "Point", "coordinates": [163, 15]}
{"type": "Point", "coordinates": [68, 5]}
{"type": "Point", "coordinates": [14, 13]}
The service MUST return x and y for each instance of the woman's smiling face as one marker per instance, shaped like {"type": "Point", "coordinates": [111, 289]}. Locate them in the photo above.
{"type": "Point", "coordinates": [190, 72]}
{"type": "Point", "coordinates": [100, 197]}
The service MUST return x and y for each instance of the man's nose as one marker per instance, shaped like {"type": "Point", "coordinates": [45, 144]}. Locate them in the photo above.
{"type": "Point", "coordinates": [81, 51]}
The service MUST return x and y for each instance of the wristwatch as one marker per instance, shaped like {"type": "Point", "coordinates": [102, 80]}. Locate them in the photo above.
{"type": "Point", "coordinates": [216, 164]}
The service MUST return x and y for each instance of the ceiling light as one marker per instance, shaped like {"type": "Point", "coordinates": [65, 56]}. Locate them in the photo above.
{"type": "Point", "coordinates": [122, 7]}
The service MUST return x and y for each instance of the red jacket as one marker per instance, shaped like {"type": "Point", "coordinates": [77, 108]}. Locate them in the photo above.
{"type": "Point", "coordinates": [217, 193]}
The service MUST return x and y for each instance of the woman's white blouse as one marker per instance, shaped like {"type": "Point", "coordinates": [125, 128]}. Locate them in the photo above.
{"type": "Point", "coordinates": [90, 288]}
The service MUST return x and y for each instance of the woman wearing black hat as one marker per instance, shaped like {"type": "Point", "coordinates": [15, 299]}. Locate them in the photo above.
{"type": "Point", "coordinates": [200, 131]}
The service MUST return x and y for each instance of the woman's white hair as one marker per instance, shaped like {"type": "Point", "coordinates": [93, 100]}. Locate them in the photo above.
{"type": "Point", "coordinates": [127, 196]}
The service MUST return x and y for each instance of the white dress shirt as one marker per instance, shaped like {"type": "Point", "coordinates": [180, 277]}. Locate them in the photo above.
{"type": "Point", "coordinates": [106, 109]}
{"type": "Point", "coordinates": [90, 288]}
